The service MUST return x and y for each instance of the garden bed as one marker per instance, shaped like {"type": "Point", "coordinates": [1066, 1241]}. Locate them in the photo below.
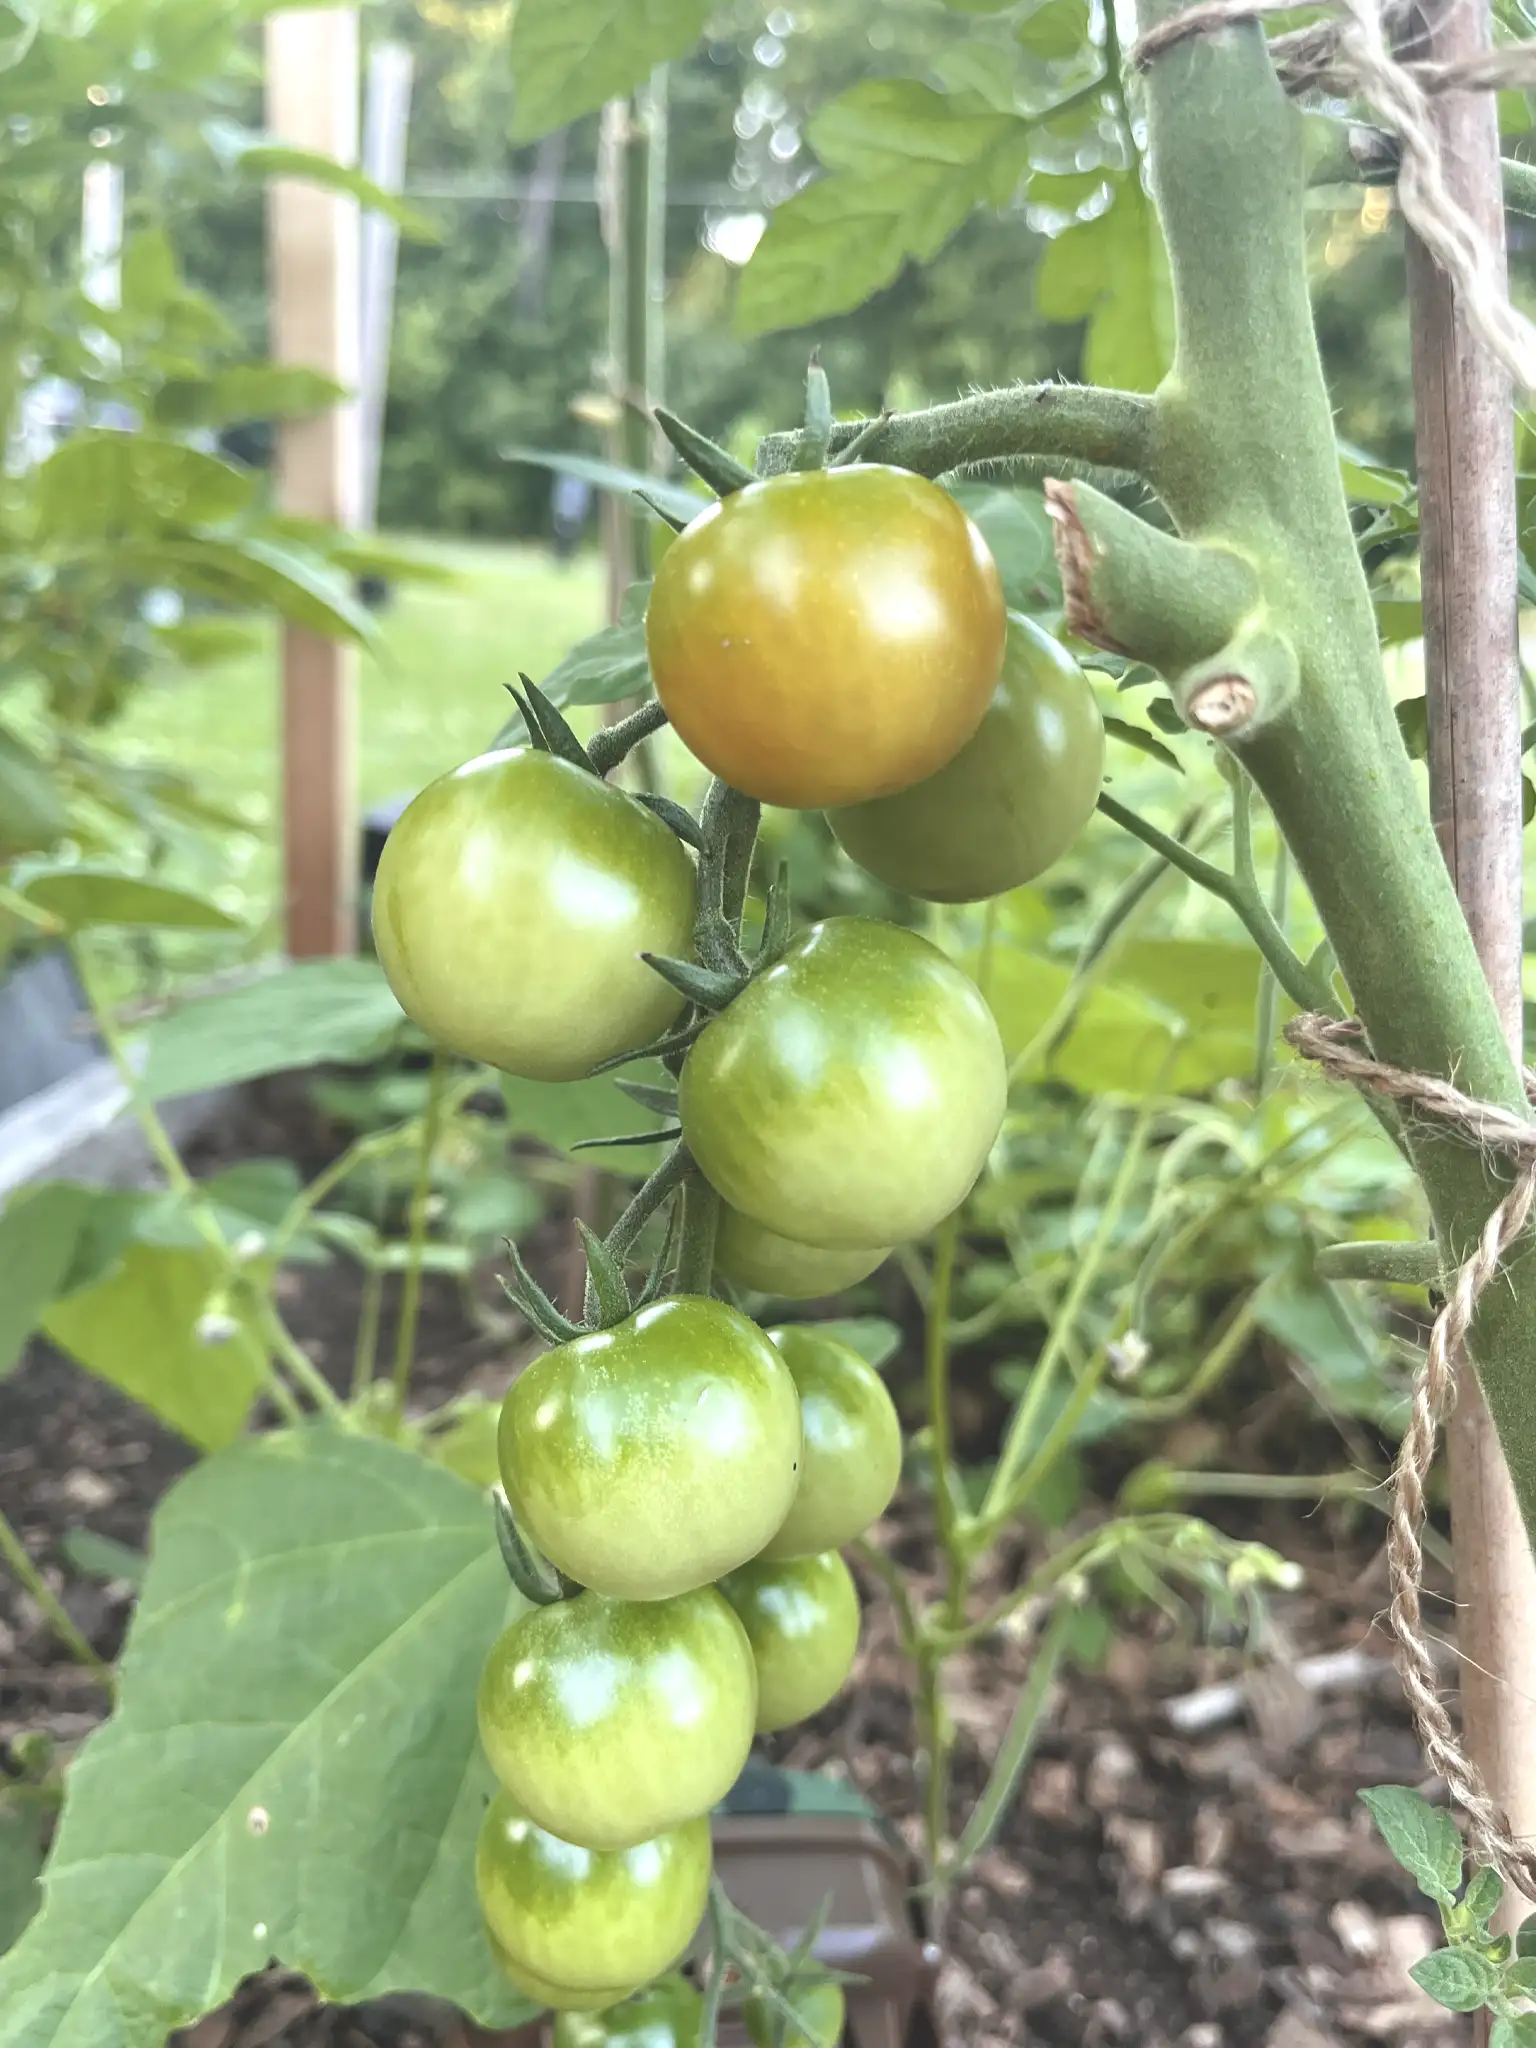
{"type": "Point", "coordinates": [1214, 1890]}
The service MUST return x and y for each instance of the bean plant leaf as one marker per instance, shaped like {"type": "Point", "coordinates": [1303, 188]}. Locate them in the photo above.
{"type": "Point", "coordinates": [32, 813]}
{"type": "Point", "coordinates": [21, 1858]}
{"type": "Point", "coordinates": [137, 1329]}
{"type": "Point", "coordinates": [1112, 273]}
{"type": "Point", "coordinates": [905, 167]}
{"type": "Point", "coordinates": [292, 1769]}
{"type": "Point", "coordinates": [39, 1232]}
{"type": "Point", "coordinates": [85, 898]}
{"type": "Point", "coordinates": [1460, 1979]}
{"type": "Point", "coordinates": [307, 1014]}
{"type": "Point", "coordinates": [568, 56]}
{"type": "Point", "coordinates": [1425, 1842]}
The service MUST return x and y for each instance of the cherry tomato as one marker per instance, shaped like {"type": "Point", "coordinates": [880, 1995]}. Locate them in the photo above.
{"type": "Point", "coordinates": [753, 1256]}
{"type": "Point", "coordinates": [611, 1720]}
{"type": "Point", "coordinates": [560, 1997]}
{"type": "Point", "coordinates": [589, 1918]}
{"type": "Point", "coordinates": [668, 2015]}
{"type": "Point", "coordinates": [849, 1096]}
{"type": "Point", "coordinates": [820, 2008]}
{"type": "Point", "coordinates": [648, 1459]}
{"type": "Point", "coordinates": [512, 902]}
{"type": "Point", "coordinates": [1011, 801]}
{"type": "Point", "coordinates": [802, 1620]}
{"type": "Point", "coordinates": [827, 637]}
{"type": "Point", "coordinates": [850, 1458]}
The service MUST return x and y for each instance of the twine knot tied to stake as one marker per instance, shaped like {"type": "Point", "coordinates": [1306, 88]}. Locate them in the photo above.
{"type": "Point", "coordinates": [1339, 1047]}
{"type": "Point", "coordinates": [1351, 52]}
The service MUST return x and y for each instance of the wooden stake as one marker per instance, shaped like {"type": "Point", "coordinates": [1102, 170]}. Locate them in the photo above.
{"type": "Point", "coordinates": [1464, 430]}
{"type": "Point", "coordinates": [313, 267]}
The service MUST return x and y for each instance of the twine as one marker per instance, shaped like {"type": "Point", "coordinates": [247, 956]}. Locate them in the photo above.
{"type": "Point", "coordinates": [1351, 54]}
{"type": "Point", "coordinates": [1338, 1047]}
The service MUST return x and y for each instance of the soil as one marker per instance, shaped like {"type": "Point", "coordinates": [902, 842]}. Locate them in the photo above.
{"type": "Point", "coordinates": [1213, 1890]}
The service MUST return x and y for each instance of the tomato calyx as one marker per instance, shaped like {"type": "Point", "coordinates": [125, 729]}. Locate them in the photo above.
{"type": "Point", "coordinates": [709, 462]}
{"type": "Point", "coordinates": [528, 1569]}
{"type": "Point", "coordinates": [775, 1988]}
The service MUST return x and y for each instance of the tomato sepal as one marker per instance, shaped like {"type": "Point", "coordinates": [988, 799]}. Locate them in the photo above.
{"type": "Point", "coordinates": [531, 1572]}
{"type": "Point", "coordinates": [719, 469]}
{"type": "Point", "coordinates": [547, 729]}
{"type": "Point", "coordinates": [682, 822]}
{"type": "Point", "coordinates": [665, 1136]}
{"type": "Point", "coordinates": [607, 1291]}
{"type": "Point", "coordinates": [531, 1302]}
{"type": "Point", "coordinates": [711, 988]}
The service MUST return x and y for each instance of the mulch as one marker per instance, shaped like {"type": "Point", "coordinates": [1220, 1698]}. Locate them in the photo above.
{"type": "Point", "coordinates": [1217, 1889]}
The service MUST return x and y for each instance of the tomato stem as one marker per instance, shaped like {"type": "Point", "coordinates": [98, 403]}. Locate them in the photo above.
{"type": "Point", "coordinates": [701, 1220]}
{"type": "Point", "coordinates": [421, 1201]}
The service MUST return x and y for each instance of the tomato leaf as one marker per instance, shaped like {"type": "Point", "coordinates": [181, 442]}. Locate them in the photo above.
{"type": "Point", "coordinates": [1055, 31]}
{"type": "Point", "coordinates": [311, 167]}
{"type": "Point", "coordinates": [568, 56]}
{"type": "Point", "coordinates": [1425, 1842]}
{"type": "Point", "coordinates": [307, 1014]}
{"type": "Point", "coordinates": [1143, 741]}
{"type": "Point", "coordinates": [1112, 273]}
{"type": "Point", "coordinates": [292, 1769]}
{"type": "Point", "coordinates": [616, 479]}
{"type": "Point", "coordinates": [905, 167]}
{"type": "Point", "coordinates": [1460, 1979]}
{"type": "Point", "coordinates": [84, 898]}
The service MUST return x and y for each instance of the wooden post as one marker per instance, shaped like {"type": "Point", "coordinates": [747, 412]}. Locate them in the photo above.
{"type": "Point", "coordinates": [312, 93]}
{"type": "Point", "coordinates": [1464, 430]}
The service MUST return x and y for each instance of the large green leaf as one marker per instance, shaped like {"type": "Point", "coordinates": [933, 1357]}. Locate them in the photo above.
{"type": "Point", "coordinates": [1016, 529]}
{"type": "Point", "coordinates": [21, 1858]}
{"type": "Point", "coordinates": [282, 160]}
{"type": "Point", "coordinates": [248, 391]}
{"type": "Point", "coordinates": [39, 1232]}
{"type": "Point", "coordinates": [137, 1329]}
{"type": "Point", "coordinates": [905, 165]}
{"type": "Point", "coordinates": [83, 898]}
{"type": "Point", "coordinates": [304, 1015]}
{"type": "Point", "coordinates": [560, 1114]}
{"type": "Point", "coordinates": [248, 570]}
{"type": "Point", "coordinates": [568, 56]}
{"type": "Point", "coordinates": [292, 1769]}
{"type": "Point", "coordinates": [101, 483]}
{"type": "Point", "coordinates": [32, 813]}
{"type": "Point", "coordinates": [1112, 272]}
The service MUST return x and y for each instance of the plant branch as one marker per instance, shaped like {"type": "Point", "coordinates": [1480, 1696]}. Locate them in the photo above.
{"type": "Point", "coordinates": [421, 1198]}
{"type": "Point", "coordinates": [1075, 423]}
{"type": "Point", "coordinates": [32, 1582]}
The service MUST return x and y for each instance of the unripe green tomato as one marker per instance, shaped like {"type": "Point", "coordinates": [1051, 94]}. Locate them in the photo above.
{"type": "Point", "coordinates": [589, 1918]}
{"type": "Point", "coordinates": [648, 1459]}
{"type": "Point", "coordinates": [849, 1096]}
{"type": "Point", "coordinates": [753, 1256]}
{"type": "Point", "coordinates": [512, 902]}
{"type": "Point", "coordinates": [611, 1720]}
{"type": "Point", "coordinates": [558, 1997]}
{"type": "Point", "coordinates": [1011, 801]}
{"type": "Point", "coordinates": [668, 2015]}
{"type": "Point", "coordinates": [820, 2007]}
{"type": "Point", "coordinates": [850, 1444]}
{"type": "Point", "coordinates": [802, 1620]}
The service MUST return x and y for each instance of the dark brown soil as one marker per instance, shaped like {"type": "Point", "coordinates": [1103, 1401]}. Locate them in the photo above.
{"type": "Point", "coordinates": [1215, 1891]}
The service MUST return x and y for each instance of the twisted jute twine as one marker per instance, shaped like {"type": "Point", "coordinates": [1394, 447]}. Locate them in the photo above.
{"type": "Point", "coordinates": [1352, 54]}
{"type": "Point", "coordinates": [1339, 1048]}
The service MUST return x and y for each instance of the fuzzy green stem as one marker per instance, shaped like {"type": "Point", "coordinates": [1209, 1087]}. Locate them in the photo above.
{"type": "Point", "coordinates": [946, 1509]}
{"type": "Point", "coordinates": [1076, 423]}
{"type": "Point", "coordinates": [421, 1202]}
{"type": "Point", "coordinates": [238, 1277]}
{"type": "Point", "coordinates": [701, 1221]}
{"type": "Point", "coordinates": [1246, 457]}
{"type": "Point", "coordinates": [32, 1582]}
{"type": "Point", "coordinates": [365, 1351]}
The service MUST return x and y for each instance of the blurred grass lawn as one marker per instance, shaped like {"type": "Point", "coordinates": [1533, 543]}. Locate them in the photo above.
{"type": "Point", "coordinates": [430, 698]}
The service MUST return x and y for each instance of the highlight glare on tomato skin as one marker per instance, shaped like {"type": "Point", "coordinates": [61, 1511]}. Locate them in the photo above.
{"type": "Point", "coordinates": [848, 1098]}
{"type": "Point", "coordinates": [647, 1459]}
{"type": "Point", "coordinates": [590, 1920]}
{"type": "Point", "coordinates": [512, 902]}
{"type": "Point", "coordinates": [827, 636]}
{"type": "Point", "coordinates": [610, 1721]}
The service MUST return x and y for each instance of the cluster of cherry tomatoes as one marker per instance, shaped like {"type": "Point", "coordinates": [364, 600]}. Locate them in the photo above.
{"type": "Point", "coordinates": [835, 639]}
